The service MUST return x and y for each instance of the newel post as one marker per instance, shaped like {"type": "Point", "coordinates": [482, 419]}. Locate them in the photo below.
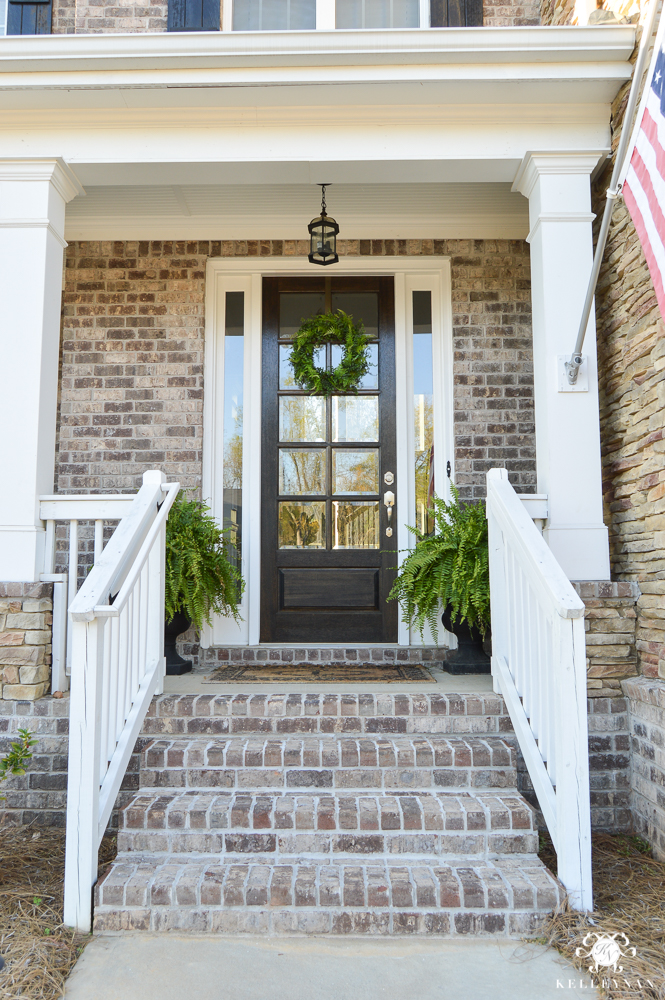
{"type": "Point", "coordinates": [83, 773]}
{"type": "Point", "coordinates": [498, 602]}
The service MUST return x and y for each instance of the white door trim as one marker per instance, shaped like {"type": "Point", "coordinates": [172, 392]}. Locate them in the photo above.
{"type": "Point", "coordinates": [245, 274]}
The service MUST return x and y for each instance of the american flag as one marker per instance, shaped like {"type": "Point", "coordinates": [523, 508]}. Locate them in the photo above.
{"type": "Point", "coordinates": [643, 173]}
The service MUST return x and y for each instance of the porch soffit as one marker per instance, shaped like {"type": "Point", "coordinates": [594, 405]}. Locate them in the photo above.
{"type": "Point", "coordinates": [372, 211]}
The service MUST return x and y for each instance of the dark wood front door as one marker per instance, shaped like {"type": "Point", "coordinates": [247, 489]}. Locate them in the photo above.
{"type": "Point", "coordinates": [327, 559]}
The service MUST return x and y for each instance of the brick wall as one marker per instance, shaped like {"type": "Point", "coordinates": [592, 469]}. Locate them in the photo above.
{"type": "Point", "coordinates": [25, 640]}
{"type": "Point", "coordinates": [497, 14]}
{"type": "Point", "coordinates": [39, 796]}
{"type": "Point", "coordinates": [87, 17]}
{"type": "Point", "coordinates": [647, 733]}
{"type": "Point", "coordinates": [132, 357]}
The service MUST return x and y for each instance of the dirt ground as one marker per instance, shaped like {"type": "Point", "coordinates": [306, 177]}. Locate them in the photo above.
{"type": "Point", "coordinates": [629, 886]}
{"type": "Point", "coordinates": [38, 951]}
{"type": "Point", "coordinates": [629, 898]}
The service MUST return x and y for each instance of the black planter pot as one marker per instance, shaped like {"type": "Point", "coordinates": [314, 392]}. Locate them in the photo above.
{"type": "Point", "coordinates": [175, 665]}
{"type": "Point", "coordinates": [469, 657]}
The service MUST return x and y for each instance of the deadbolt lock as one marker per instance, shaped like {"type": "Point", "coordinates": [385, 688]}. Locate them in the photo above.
{"type": "Point", "coordinates": [388, 479]}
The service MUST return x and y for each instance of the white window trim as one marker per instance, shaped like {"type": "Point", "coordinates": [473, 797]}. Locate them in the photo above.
{"type": "Point", "coordinates": [224, 275]}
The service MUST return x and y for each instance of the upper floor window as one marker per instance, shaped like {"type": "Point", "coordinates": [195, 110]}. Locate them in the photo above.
{"type": "Point", "coordinates": [194, 15]}
{"type": "Point", "coordinates": [308, 15]}
{"type": "Point", "coordinates": [274, 15]}
{"type": "Point", "coordinates": [33, 17]}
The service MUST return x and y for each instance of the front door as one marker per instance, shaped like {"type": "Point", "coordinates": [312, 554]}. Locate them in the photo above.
{"type": "Point", "coordinates": [328, 547]}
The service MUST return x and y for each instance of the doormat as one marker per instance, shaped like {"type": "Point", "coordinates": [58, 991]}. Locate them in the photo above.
{"type": "Point", "coordinates": [319, 673]}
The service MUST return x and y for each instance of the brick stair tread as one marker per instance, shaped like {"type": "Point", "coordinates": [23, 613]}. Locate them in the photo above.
{"type": "Point", "coordinates": [283, 713]}
{"type": "Point", "coordinates": [504, 897]}
{"type": "Point", "coordinates": [364, 761]}
{"type": "Point", "coordinates": [308, 810]}
{"type": "Point", "coordinates": [316, 823]}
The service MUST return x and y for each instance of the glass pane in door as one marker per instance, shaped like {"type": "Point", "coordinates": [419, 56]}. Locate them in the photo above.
{"type": "Point", "coordinates": [302, 418]}
{"type": "Point", "coordinates": [355, 524]}
{"type": "Point", "coordinates": [302, 472]}
{"type": "Point", "coordinates": [355, 471]}
{"type": "Point", "coordinates": [302, 525]}
{"type": "Point", "coordinates": [355, 418]}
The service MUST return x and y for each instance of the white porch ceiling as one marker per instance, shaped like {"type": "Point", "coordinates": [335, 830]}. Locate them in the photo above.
{"type": "Point", "coordinates": [282, 211]}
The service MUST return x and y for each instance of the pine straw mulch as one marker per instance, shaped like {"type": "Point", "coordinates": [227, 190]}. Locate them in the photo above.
{"type": "Point", "coordinates": [38, 950]}
{"type": "Point", "coordinates": [629, 897]}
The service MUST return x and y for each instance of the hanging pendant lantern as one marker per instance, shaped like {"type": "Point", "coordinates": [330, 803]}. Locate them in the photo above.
{"type": "Point", "coordinates": [323, 236]}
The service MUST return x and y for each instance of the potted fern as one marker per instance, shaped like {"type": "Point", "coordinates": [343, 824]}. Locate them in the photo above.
{"type": "Point", "coordinates": [200, 577]}
{"type": "Point", "coordinates": [450, 568]}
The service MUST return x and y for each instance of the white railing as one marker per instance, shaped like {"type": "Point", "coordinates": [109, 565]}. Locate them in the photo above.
{"type": "Point", "coordinates": [117, 664]}
{"type": "Point", "coordinates": [98, 508]}
{"type": "Point", "coordinates": [539, 666]}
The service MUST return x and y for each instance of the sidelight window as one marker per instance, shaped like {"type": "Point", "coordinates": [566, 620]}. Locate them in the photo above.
{"type": "Point", "coordinates": [234, 349]}
{"type": "Point", "coordinates": [423, 403]}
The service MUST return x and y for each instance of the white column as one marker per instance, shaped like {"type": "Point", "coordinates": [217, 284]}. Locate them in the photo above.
{"type": "Point", "coordinates": [567, 423]}
{"type": "Point", "coordinates": [33, 195]}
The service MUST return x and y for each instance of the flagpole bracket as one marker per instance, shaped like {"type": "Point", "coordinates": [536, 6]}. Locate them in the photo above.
{"type": "Point", "coordinates": [572, 373]}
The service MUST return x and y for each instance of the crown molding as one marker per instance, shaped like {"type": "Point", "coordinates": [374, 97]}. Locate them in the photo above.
{"type": "Point", "coordinates": [536, 164]}
{"type": "Point", "coordinates": [50, 169]}
{"type": "Point", "coordinates": [164, 59]}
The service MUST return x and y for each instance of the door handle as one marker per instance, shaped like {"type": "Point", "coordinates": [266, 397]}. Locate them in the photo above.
{"type": "Point", "coordinates": [389, 501]}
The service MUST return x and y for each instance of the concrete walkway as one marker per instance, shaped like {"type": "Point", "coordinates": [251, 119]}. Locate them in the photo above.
{"type": "Point", "coordinates": [165, 967]}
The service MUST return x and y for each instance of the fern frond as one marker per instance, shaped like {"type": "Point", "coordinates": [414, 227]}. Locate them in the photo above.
{"type": "Point", "coordinates": [200, 578]}
{"type": "Point", "coordinates": [450, 567]}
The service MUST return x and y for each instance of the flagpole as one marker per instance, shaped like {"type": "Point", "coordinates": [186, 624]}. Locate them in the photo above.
{"type": "Point", "coordinates": [573, 366]}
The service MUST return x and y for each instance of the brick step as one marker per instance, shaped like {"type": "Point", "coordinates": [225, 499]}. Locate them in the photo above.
{"type": "Point", "coordinates": [405, 762]}
{"type": "Point", "coordinates": [507, 897]}
{"type": "Point", "coordinates": [316, 824]}
{"type": "Point", "coordinates": [326, 714]}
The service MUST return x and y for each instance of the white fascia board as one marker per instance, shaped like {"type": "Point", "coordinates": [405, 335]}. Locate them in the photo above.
{"type": "Point", "coordinates": [317, 57]}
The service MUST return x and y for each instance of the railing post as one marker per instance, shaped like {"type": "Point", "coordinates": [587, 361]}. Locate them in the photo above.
{"type": "Point", "coordinates": [59, 680]}
{"type": "Point", "coordinates": [573, 809]}
{"type": "Point", "coordinates": [83, 774]}
{"type": "Point", "coordinates": [498, 595]}
{"type": "Point", "coordinates": [156, 585]}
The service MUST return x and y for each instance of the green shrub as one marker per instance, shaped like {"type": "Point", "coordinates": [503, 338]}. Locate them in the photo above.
{"type": "Point", "coordinates": [449, 568]}
{"type": "Point", "coordinates": [200, 579]}
{"type": "Point", "coordinates": [20, 752]}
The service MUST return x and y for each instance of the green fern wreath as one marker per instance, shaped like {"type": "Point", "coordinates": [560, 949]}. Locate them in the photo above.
{"type": "Point", "coordinates": [339, 329]}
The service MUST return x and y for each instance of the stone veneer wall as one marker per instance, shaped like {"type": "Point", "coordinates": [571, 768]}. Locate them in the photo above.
{"type": "Point", "coordinates": [87, 17]}
{"type": "Point", "coordinates": [631, 347]}
{"type": "Point", "coordinates": [25, 640]}
{"type": "Point", "coordinates": [132, 357]}
{"type": "Point", "coordinates": [609, 623]}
